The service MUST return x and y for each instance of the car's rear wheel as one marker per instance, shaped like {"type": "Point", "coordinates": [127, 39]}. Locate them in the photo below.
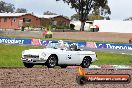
{"type": "Point", "coordinates": [63, 66]}
{"type": "Point", "coordinates": [86, 62]}
{"type": "Point", "coordinates": [28, 65]}
{"type": "Point", "coordinates": [52, 61]}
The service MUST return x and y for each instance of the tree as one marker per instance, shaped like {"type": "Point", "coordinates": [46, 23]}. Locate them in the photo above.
{"type": "Point", "coordinates": [75, 17]}
{"type": "Point", "coordinates": [6, 7]}
{"type": "Point", "coordinates": [128, 19]}
{"type": "Point", "coordinates": [96, 14]}
{"type": "Point", "coordinates": [100, 13]}
{"type": "Point", "coordinates": [21, 10]}
{"type": "Point", "coordinates": [105, 10]}
{"type": "Point", "coordinates": [49, 13]}
{"type": "Point", "coordinates": [93, 17]}
{"type": "Point", "coordinates": [107, 18]}
{"type": "Point", "coordinates": [84, 7]}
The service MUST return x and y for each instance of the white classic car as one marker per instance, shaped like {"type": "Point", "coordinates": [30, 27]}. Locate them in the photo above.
{"type": "Point", "coordinates": [56, 55]}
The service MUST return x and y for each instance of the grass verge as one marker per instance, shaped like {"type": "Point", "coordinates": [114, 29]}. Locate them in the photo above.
{"type": "Point", "coordinates": [105, 58]}
{"type": "Point", "coordinates": [10, 55]}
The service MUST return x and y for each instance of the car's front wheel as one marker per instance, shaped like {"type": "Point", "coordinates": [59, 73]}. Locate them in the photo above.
{"type": "Point", "coordinates": [28, 65]}
{"type": "Point", "coordinates": [86, 62]}
{"type": "Point", "coordinates": [52, 61]}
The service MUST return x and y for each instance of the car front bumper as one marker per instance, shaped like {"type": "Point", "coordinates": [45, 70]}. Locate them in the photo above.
{"type": "Point", "coordinates": [33, 60]}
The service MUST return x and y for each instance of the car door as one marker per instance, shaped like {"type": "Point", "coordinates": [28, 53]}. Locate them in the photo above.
{"type": "Point", "coordinates": [63, 57]}
{"type": "Point", "coordinates": [72, 57]}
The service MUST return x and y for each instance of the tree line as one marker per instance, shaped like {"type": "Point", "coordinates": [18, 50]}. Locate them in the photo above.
{"type": "Point", "coordinates": [9, 7]}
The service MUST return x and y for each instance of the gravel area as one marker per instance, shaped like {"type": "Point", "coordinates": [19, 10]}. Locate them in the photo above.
{"type": "Point", "coordinates": [52, 78]}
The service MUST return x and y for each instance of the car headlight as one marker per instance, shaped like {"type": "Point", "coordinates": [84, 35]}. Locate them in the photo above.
{"type": "Point", "coordinates": [43, 54]}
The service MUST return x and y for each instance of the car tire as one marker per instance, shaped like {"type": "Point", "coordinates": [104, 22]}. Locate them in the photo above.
{"type": "Point", "coordinates": [52, 61]}
{"type": "Point", "coordinates": [28, 65]}
{"type": "Point", "coordinates": [63, 66]}
{"type": "Point", "coordinates": [81, 80]}
{"type": "Point", "coordinates": [86, 62]}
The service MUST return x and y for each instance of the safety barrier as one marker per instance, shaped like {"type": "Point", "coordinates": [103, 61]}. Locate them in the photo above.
{"type": "Point", "coordinates": [110, 67]}
{"type": "Point", "coordinates": [23, 41]}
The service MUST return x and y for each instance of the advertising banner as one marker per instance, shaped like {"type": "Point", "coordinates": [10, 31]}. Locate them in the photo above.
{"type": "Point", "coordinates": [40, 42]}
{"type": "Point", "coordinates": [45, 42]}
{"type": "Point", "coordinates": [36, 42]}
{"type": "Point", "coordinates": [20, 41]}
{"type": "Point", "coordinates": [114, 46]}
{"type": "Point", "coordinates": [91, 45]}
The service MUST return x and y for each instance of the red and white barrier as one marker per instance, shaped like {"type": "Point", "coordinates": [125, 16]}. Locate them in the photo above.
{"type": "Point", "coordinates": [114, 67]}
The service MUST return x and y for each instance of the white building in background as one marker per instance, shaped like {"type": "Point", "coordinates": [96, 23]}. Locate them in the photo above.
{"type": "Point", "coordinates": [114, 26]}
{"type": "Point", "coordinates": [78, 25]}
{"type": "Point", "coordinates": [106, 25]}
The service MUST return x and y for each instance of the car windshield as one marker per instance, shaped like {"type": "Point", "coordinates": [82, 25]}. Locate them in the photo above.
{"type": "Point", "coordinates": [56, 45]}
{"type": "Point", "coordinates": [53, 45]}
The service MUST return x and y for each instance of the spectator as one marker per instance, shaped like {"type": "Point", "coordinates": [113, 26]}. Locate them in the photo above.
{"type": "Point", "coordinates": [45, 32]}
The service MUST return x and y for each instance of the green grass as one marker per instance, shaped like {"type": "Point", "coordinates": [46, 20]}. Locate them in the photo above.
{"type": "Point", "coordinates": [105, 58]}
{"type": "Point", "coordinates": [10, 56]}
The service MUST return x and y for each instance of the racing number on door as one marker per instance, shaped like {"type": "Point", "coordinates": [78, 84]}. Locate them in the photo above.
{"type": "Point", "coordinates": [69, 56]}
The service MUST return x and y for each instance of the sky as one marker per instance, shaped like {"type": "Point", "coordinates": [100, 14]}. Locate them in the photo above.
{"type": "Point", "coordinates": [120, 9]}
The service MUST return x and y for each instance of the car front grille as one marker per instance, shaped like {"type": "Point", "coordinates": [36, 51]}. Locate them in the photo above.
{"type": "Point", "coordinates": [31, 56]}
